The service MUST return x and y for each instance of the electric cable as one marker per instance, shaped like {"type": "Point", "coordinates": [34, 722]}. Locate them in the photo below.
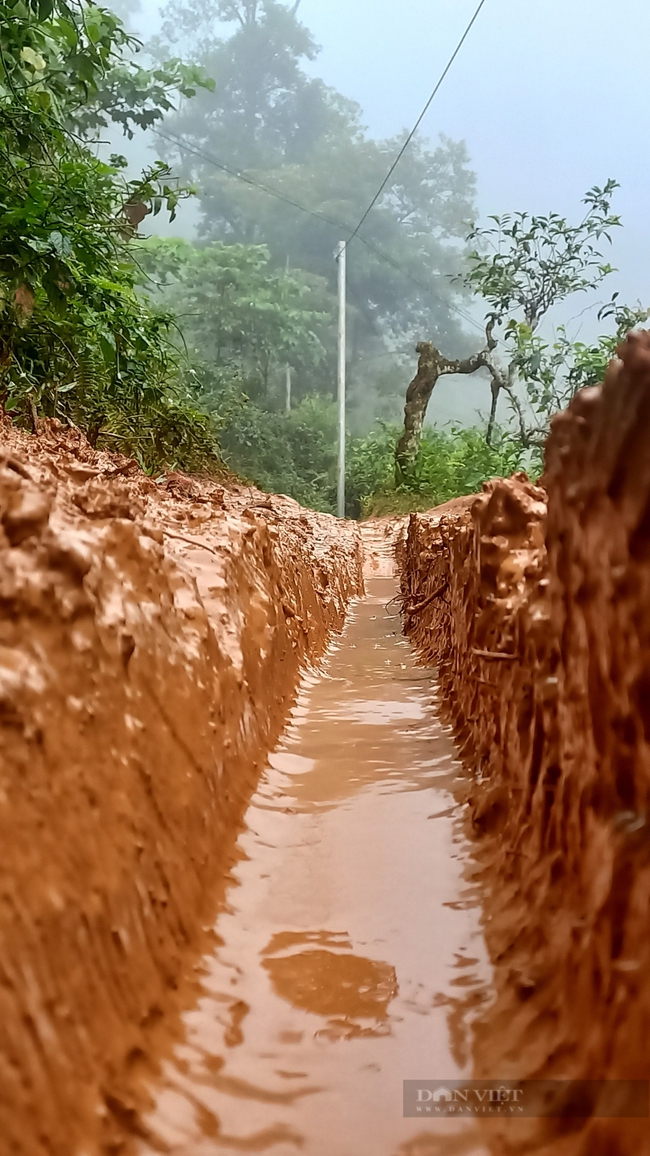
{"type": "Point", "coordinates": [418, 122]}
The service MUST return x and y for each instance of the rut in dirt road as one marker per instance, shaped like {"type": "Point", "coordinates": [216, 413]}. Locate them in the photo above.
{"type": "Point", "coordinates": [349, 951]}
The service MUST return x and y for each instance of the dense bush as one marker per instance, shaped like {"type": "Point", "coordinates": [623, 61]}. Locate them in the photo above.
{"type": "Point", "coordinates": [296, 454]}
{"type": "Point", "coordinates": [288, 453]}
{"type": "Point", "coordinates": [76, 340]}
{"type": "Point", "coordinates": [449, 463]}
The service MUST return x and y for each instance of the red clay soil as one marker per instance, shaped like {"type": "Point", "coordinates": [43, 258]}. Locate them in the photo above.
{"type": "Point", "coordinates": [535, 607]}
{"type": "Point", "coordinates": [151, 638]}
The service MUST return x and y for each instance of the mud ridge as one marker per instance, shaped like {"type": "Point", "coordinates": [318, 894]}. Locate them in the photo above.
{"type": "Point", "coordinates": [534, 604]}
{"type": "Point", "coordinates": [152, 634]}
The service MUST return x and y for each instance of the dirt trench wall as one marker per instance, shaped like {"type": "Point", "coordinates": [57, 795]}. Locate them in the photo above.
{"type": "Point", "coordinates": [535, 607]}
{"type": "Point", "coordinates": [151, 639]}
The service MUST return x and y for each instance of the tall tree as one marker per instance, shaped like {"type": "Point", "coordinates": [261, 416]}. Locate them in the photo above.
{"type": "Point", "coordinates": [264, 109]}
{"type": "Point", "coordinates": [239, 316]}
{"type": "Point", "coordinates": [269, 124]}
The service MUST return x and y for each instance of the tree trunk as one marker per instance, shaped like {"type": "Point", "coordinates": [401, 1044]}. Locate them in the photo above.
{"type": "Point", "coordinates": [431, 366]}
{"type": "Point", "coordinates": [418, 396]}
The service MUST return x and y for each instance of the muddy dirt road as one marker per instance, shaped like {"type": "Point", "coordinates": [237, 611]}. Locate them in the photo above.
{"type": "Point", "coordinates": [205, 948]}
{"type": "Point", "coordinates": [348, 940]}
{"type": "Point", "coordinates": [152, 636]}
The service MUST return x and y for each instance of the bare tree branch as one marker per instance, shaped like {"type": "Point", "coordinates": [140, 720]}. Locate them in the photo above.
{"type": "Point", "coordinates": [495, 391]}
{"type": "Point", "coordinates": [522, 263]}
{"type": "Point", "coordinates": [490, 339]}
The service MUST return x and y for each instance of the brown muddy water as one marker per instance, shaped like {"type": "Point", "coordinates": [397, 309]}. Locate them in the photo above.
{"type": "Point", "coordinates": [349, 954]}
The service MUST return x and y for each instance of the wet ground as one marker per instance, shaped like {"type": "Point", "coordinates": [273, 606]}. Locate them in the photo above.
{"type": "Point", "coordinates": [350, 955]}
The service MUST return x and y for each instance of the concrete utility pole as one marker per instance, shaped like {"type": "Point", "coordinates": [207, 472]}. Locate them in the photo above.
{"type": "Point", "coordinates": [287, 405]}
{"type": "Point", "coordinates": [341, 254]}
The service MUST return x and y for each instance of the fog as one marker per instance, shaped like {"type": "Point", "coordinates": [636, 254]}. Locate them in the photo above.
{"type": "Point", "coordinates": [551, 99]}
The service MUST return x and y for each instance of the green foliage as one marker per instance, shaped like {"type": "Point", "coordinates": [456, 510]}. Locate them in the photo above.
{"type": "Point", "coordinates": [265, 110]}
{"type": "Point", "coordinates": [531, 263]}
{"type": "Point", "coordinates": [449, 463]}
{"type": "Point", "coordinates": [76, 341]}
{"type": "Point", "coordinates": [522, 267]}
{"type": "Point", "coordinates": [73, 59]}
{"type": "Point", "coordinates": [237, 312]}
{"type": "Point", "coordinates": [553, 373]}
{"type": "Point", "coordinates": [292, 453]}
{"type": "Point", "coordinates": [420, 224]}
{"type": "Point", "coordinates": [296, 454]}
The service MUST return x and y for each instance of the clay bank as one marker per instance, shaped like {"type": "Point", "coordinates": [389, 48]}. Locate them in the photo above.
{"type": "Point", "coordinates": [271, 849]}
{"type": "Point", "coordinates": [151, 641]}
{"type": "Point", "coordinates": [534, 606]}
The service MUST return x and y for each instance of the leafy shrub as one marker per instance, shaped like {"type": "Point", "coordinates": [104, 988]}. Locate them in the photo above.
{"type": "Point", "coordinates": [76, 341]}
{"type": "Point", "coordinates": [293, 454]}
{"type": "Point", "coordinates": [449, 463]}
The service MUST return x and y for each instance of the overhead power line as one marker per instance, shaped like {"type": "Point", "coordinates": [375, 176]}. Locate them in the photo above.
{"type": "Point", "coordinates": [340, 226]}
{"type": "Point", "coordinates": [242, 176]}
{"type": "Point", "coordinates": [425, 288]}
{"type": "Point", "coordinates": [418, 122]}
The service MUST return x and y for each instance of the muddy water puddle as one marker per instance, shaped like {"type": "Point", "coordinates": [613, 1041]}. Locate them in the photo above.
{"type": "Point", "coordinates": [350, 955]}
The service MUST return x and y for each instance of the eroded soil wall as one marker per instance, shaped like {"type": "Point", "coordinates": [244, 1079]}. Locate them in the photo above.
{"type": "Point", "coordinates": [151, 639]}
{"type": "Point", "coordinates": [535, 607]}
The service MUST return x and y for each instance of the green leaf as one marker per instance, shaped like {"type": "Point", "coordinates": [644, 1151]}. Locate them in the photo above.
{"type": "Point", "coordinates": [61, 244]}
{"type": "Point", "coordinates": [107, 346]}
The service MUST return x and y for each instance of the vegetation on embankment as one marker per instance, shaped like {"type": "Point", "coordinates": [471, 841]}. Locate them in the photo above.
{"type": "Point", "coordinates": [77, 341]}
{"type": "Point", "coordinates": [449, 463]}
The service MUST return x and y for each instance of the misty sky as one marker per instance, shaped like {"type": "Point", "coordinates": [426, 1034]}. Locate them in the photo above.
{"type": "Point", "coordinates": [552, 97]}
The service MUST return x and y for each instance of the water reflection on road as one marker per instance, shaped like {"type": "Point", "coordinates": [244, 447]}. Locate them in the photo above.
{"type": "Point", "coordinates": [350, 955]}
